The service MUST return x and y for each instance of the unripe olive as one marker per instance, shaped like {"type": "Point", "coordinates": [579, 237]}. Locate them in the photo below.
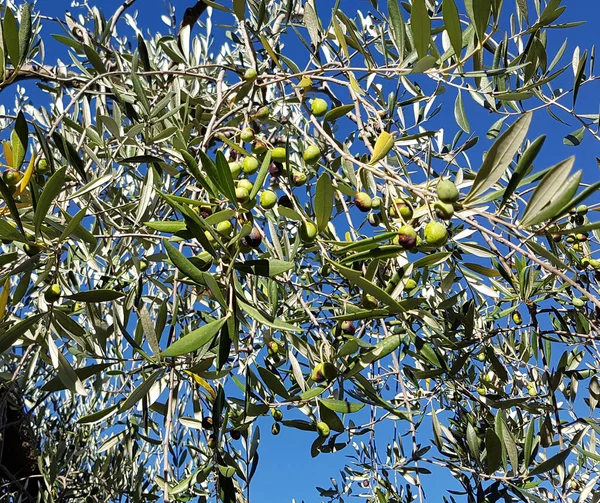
{"type": "Point", "coordinates": [447, 191]}
{"type": "Point", "coordinates": [517, 318]}
{"type": "Point", "coordinates": [42, 166]}
{"type": "Point", "coordinates": [272, 348]}
{"type": "Point", "coordinates": [52, 294]}
{"type": "Point", "coordinates": [348, 327]}
{"type": "Point", "coordinates": [376, 203]}
{"type": "Point", "coordinates": [275, 429]}
{"type": "Point", "coordinates": [262, 113]}
{"type": "Point", "coordinates": [444, 211]}
{"type": "Point", "coordinates": [250, 165]}
{"type": "Point", "coordinates": [235, 168]}
{"type": "Point", "coordinates": [410, 284]}
{"type": "Point", "coordinates": [241, 194]}
{"type": "Point", "coordinates": [250, 75]}
{"type": "Point", "coordinates": [308, 232]}
{"type": "Point", "coordinates": [298, 178]}
{"type": "Point", "coordinates": [401, 209]}
{"type": "Point", "coordinates": [277, 414]}
{"type": "Point", "coordinates": [207, 423]}
{"type": "Point", "coordinates": [319, 107]}
{"type": "Point", "coordinates": [312, 154]}
{"type": "Point", "coordinates": [212, 442]}
{"type": "Point", "coordinates": [305, 83]}
{"type": "Point", "coordinates": [279, 154]}
{"type": "Point", "coordinates": [32, 249]}
{"type": "Point", "coordinates": [582, 209]}
{"type": "Point", "coordinates": [323, 429]}
{"type": "Point", "coordinates": [268, 199]}
{"type": "Point", "coordinates": [578, 302]}
{"type": "Point", "coordinates": [245, 184]}
{"type": "Point", "coordinates": [225, 227]}
{"type": "Point", "coordinates": [259, 148]}
{"type": "Point", "coordinates": [436, 234]}
{"type": "Point", "coordinates": [143, 265]}
{"type": "Point", "coordinates": [247, 135]}
{"type": "Point", "coordinates": [369, 302]}
{"type": "Point", "coordinates": [11, 178]}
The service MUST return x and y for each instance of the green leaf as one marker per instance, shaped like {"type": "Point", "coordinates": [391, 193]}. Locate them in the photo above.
{"type": "Point", "coordinates": [267, 319]}
{"type": "Point", "coordinates": [94, 59]}
{"type": "Point", "coordinates": [522, 168]}
{"type": "Point", "coordinates": [357, 279]}
{"type": "Point", "coordinates": [140, 392]}
{"type": "Point", "coordinates": [479, 11]}
{"type": "Point", "coordinates": [473, 442]}
{"type": "Point", "coordinates": [260, 176]}
{"type": "Point", "coordinates": [7, 231]}
{"type": "Point", "coordinates": [239, 7]}
{"type": "Point", "coordinates": [183, 264]}
{"type": "Point", "coordinates": [420, 24]}
{"type": "Point", "coordinates": [51, 190]}
{"type": "Point", "coordinates": [194, 170]}
{"type": "Point", "coordinates": [579, 75]}
{"type": "Point", "coordinates": [99, 415]}
{"type": "Point", "coordinates": [168, 226]}
{"type": "Point", "coordinates": [552, 462]}
{"type": "Point", "coordinates": [24, 32]}
{"type": "Point", "coordinates": [398, 27]}
{"type": "Point", "coordinates": [500, 156]}
{"type": "Point", "coordinates": [225, 178]}
{"type": "Point", "coordinates": [452, 25]}
{"type": "Point", "coordinates": [493, 447]}
{"type": "Point", "coordinates": [381, 350]}
{"type": "Point", "coordinates": [10, 31]}
{"type": "Point", "coordinates": [323, 202]}
{"type": "Point", "coordinates": [12, 207]}
{"type": "Point", "coordinates": [337, 112]}
{"type": "Point", "coordinates": [195, 339]}
{"type": "Point", "coordinates": [10, 336]}
{"type": "Point", "coordinates": [265, 267]}
{"type": "Point", "coordinates": [460, 114]}
{"type": "Point", "coordinates": [559, 200]}
{"type": "Point", "coordinates": [73, 224]}
{"type": "Point", "coordinates": [586, 193]}
{"type": "Point", "coordinates": [575, 138]}
{"type": "Point", "coordinates": [273, 382]}
{"type": "Point", "coordinates": [312, 393]}
{"type": "Point", "coordinates": [550, 185]}
{"type": "Point", "coordinates": [102, 295]}
{"type": "Point", "coordinates": [341, 406]}
{"type": "Point", "coordinates": [82, 373]}
{"type": "Point", "coordinates": [19, 141]}
{"type": "Point", "coordinates": [383, 145]}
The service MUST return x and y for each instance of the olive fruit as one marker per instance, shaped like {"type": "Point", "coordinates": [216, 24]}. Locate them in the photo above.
{"type": "Point", "coordinates": [259, 147]}
{"type": "Point", "coordinates": [319, 107]}
{"type": "Point", "coordinates": [276, 169]}
{"type": "Point", "coordinates": [42, 166]}
{"type": "Point", "coordinates": [582, 209]}
{"type": "Point", "coordinates": [376, 203]}
{"type": "Point", "coordinates": [374, 219]}
{"type": "Point", "coordinates": [202, 261]}
{"type": "Point", "coordinates": [241, 194]}
{"type": "Point", "coordinates": [481, 356]}
{"type": "Point", "coordinates": [410, 284]}
{"type": "Point", "coordinates": [401, 209]}
{"type": "Point", "coordinates": [298, 178]}
{"type": "Point", "coordinates": [285, 201]}
{"type": "Point", "coordinates": [245, 184]}
{"type": "Point", "coordinates": [517, 318]}
{"type": "Point", "coordinates": [11, 178]}
{"type": "Point", "coordinates": [212, 442]}
{"type": "Point", "coordinates": [262, 113]}
{"type": "Point", "coordinates": [235, 434]}
{"type": "Point", "coordinates": [275, 429]}
{"type": "Point", "coordinates": [578, 302]}
{"type": "Point", "coordinates": [444, 211]}
{"type": "Point", "coordinates": [447, 191]}
{"type": "Point", "coordinates": [348, 327]}
{"type": "Point", "coordinates": [308, 232]}
{"type": "Point", "coordinates": [312, 154]}
{"type": "Point", "coordinates": [143, 265]}
{"type": "Point", "coordinates": [272, 348]}
{"type": "Point", "coordinates": [250, 165]}
{"type": "Point", "coordinates": [407, 237]}
{"type": "Point", "coordinates": [32, 249]}
{"type": "Point", "coordinates": [323, 372]}
{"type": "Point", "coordinates": [436, 234]}
{"type": "Point", "coordinates": [207, 423]}
{"type": "Point", "coordinates": [250, 75]}
{"type": "Point", "coordinates": [277, 414]}
{"type": "Point", "coordinates": [279, 154]}
{"type": "Point", "coordinates": [369, 302]}
{"type": "Point", "coordinates": [323, 429]}
{"type": "Point", "coordinates": [253, 239]}
{"type": "Point", "coordinates": [235, 168]}
{"type": "Point", "coordinates": [363, 201]}
{"type": "Point", "coordinates": [268, 199]}
{"type": "Point", "coordinates": [52, 294]}
{"type": "Point", "coordinates": [247, 135]}
{"type": "Point", "coordinates": [305, 83]}
{"type": "Point", "coordinates": [225, 227]}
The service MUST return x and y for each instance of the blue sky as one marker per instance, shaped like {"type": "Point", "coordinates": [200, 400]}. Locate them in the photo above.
{"type": "Point", "coordinates": [286, 469]}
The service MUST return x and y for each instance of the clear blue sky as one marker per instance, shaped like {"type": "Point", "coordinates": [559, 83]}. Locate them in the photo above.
{"type": "Point", "coordinates": [286, 469]}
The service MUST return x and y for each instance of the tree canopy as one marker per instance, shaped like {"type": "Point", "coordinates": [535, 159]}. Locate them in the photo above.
{"type": "Point", "coordinates": [283, 214]}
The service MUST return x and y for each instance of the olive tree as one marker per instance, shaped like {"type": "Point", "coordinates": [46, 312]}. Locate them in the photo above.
{"type": "Point", "coordinates": [278, 215]}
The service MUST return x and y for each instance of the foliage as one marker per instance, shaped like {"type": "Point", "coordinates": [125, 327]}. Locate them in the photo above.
{"type": "Point", "coordinates": [156, 305]}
